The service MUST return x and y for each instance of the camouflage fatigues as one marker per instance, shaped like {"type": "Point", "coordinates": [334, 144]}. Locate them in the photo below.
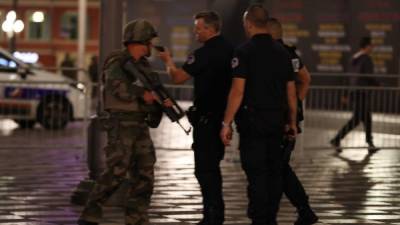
{"type": "Point", "coordinates": [129, 149]}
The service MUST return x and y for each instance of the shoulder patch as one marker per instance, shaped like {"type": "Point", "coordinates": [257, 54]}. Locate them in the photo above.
{"type": "Point", "coordinates": [296, 65]}
{"type": "Point", "coordinates": [235, 62]}
{"type": "Point", "coordinates": [191, 59]}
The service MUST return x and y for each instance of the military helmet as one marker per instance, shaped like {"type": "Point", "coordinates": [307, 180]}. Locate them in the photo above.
{"type": "Point", "coordinates": [139, 31]}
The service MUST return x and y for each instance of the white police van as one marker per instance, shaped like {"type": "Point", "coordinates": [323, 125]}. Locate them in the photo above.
{"type": "Point", "coordinates": [29, 95]}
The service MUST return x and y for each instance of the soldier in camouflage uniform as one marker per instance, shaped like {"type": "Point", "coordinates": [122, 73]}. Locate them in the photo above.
{"type": "Point", "coordinates": [129, 149]}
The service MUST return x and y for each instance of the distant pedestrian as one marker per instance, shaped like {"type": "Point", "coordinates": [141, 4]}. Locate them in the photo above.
{"type": "Point", "coordinates": [93, 75]}
{"type": "Point", "coordinates": [67, 66]}
{"type": "Point", "coordinates": [360, 99]}
{"type": "Point", "coordinates": [93, 72]}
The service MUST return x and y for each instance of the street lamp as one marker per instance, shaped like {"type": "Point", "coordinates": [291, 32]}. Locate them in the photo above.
{"type": "Point", "coordinates": [12, 26]}
{"type": "Point", "coordinates": [38, 17]}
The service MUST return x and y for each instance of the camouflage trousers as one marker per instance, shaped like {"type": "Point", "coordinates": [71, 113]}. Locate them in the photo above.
{"type": "Point", "coordinates": [129, 151]}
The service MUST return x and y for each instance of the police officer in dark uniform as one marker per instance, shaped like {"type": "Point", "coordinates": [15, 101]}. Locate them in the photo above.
{"type": "Point", "coordinates": [211, 70]}
{"type": "Point", "coordinates": [292, 186]}
{"type": "Point", "coordinates": [263, 92]}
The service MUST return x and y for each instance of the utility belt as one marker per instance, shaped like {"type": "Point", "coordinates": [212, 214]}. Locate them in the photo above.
{"type": "Point", "coordinates": [196, 116]}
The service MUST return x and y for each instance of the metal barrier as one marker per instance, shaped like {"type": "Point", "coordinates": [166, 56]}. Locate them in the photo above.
{"type": "Point", "coordinates": [42, 109]}
{"type": "Point", "coordinates": [45, 108]}
{"type": "Point", "coordinates": [330, 107]}
{"type": "Point", "coordinates": [327, 109]}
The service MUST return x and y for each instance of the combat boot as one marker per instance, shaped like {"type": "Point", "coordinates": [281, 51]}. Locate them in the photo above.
{"type": "Point", "coordinates": [306, 216]}
{"type": "Point", "coordinates": [84, 222]}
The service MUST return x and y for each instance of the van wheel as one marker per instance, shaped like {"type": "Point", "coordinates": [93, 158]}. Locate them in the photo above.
{"type": "Point", "coordinates": [26, 124]}
{"type": "Point", "coordinates": [54, 112]}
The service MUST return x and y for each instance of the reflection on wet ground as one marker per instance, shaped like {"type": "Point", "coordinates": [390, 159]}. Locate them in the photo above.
{"type": "Point", "coordinates": [39, 169]}
{"type": "Point", "coordinates": [350, 188]}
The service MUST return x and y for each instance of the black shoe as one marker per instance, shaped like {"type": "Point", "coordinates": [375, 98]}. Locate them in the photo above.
{"type": "Point", "coordinates": [306, 217]}
{"type": "Point", "coordinates": [208, 222]}
{"type": "Point", "coordinates": [213, 216]}
{"type": "Point", "coordinates": [372, 148]}
{"type": "Point", "coordinates": [263, 223]}
{"type": "Point", "coordinates": [84, 222]}
{"type": "Point", "coordinates": [336, 144]}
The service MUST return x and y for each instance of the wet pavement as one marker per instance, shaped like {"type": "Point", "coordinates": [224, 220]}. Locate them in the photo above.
{"type": "Point", "coordinates": [348, 188]}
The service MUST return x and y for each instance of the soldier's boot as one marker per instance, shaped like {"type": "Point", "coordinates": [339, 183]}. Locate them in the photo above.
{"type": "Point", "coordinates": [92, 212]}
{"type": "Point", "coordinates": [84, 222]}
{"type": "Point", "coordinates": [306, 216]}
{"type": "Point", "coordinates": [213, 216]}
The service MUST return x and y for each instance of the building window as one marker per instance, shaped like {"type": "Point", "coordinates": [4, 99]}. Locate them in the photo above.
{"type": "Point", "coordinates": [69, 25]}
{"type": "Point", "coordinates": [38, 26]}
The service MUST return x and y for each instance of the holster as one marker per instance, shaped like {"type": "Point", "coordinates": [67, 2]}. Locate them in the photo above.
{"type": "Point", "coordinates": [300, 115]}
{"type": "Point", "coordinates": [287, 146]}
{"type": "Point", "coordinates": [193, 115]}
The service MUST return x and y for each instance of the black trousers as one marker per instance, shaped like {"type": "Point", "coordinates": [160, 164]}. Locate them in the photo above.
{"type": "Point", "coordinates": [208, 153]}
{"type": "Point", "coordinates": [262, 162]}
{"type": "Point", "coordinates": [361, 113]}
{"type": "Point", "coordinates": [292, 187]}
{"type": "Point", "coordinates": [262, 157]}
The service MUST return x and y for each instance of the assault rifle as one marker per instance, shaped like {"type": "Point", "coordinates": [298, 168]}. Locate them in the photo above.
{"type": "Point", "coordinates": [151, 82]}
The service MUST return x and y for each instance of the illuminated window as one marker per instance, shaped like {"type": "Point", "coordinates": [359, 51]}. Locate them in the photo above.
{"type": "Point", "coordinates": [38, 26]}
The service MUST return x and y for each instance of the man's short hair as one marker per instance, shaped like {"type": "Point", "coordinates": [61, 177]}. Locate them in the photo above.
{"type": "Point", "coordinates": [275, 28]}
{"type": "Point", "coordinates": [365, 41]}
{"type": "Point", "coordinates": [257, 15]}
{"type": "Point", "coordinates": [210, 18]}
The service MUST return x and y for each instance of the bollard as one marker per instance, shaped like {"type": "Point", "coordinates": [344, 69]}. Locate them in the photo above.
{"type": "Point", "coordinates": [95, 161]}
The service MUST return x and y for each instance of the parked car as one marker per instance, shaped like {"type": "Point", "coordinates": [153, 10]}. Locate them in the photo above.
{"type": "Point", "coordinates": [29, 94]}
